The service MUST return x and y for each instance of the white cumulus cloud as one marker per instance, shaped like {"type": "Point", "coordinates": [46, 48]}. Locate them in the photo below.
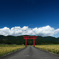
{"type": "Point", "coordinates": [25, 30]}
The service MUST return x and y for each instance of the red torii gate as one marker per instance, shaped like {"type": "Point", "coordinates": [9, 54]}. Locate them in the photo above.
{"type": "Point", "coordinates": [30, 37]}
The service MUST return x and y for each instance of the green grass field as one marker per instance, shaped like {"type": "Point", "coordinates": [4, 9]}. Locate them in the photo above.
{"type": "Point", "coordinates": [50, 48]}
{"type": "Point", "coordinates": [5, 49]}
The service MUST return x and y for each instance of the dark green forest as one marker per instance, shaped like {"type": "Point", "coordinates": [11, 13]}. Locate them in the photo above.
{"type": "Point", "coordinates": [20, 40]}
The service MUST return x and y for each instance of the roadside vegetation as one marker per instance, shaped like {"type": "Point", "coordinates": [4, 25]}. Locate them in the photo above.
{"type": "Point", "coordinates": [50, 48]}
{"type": "Point", "coordinates": [5, 49]}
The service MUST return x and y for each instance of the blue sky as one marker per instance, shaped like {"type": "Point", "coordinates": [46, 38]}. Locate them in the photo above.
{"type": "Point", "coordinates": [31, 13]}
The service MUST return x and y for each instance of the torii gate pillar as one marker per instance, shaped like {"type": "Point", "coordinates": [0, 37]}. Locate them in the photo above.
{"type": "Point", "coordinates": [25, 42]}
{"type": "Point", "coordinates": [34, 42]}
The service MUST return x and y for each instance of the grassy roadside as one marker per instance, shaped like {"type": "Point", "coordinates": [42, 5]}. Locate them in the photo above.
{"type": "Point", "coordinates": [50, 48]}
{"type": "Point", "coordinates": [5, 49]}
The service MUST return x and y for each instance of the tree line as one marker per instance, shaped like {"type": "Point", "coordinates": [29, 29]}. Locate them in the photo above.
{"type": "Point", "coordinates": [20, 40]}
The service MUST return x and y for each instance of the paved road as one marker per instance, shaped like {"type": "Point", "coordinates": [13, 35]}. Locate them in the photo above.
{"type": "Point", "coordinates": [32, 53]}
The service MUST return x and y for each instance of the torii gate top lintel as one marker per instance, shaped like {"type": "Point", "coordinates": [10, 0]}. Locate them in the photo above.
{"type": "Point", "coordinates": [30, 37]}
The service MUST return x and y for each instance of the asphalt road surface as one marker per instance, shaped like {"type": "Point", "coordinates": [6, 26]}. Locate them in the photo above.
{"type": "Point", "coordinates": [31, 52]}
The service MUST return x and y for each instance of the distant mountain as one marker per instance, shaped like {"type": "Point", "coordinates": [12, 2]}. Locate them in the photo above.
{"type": "Point", "coordinates": [21, 40]}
